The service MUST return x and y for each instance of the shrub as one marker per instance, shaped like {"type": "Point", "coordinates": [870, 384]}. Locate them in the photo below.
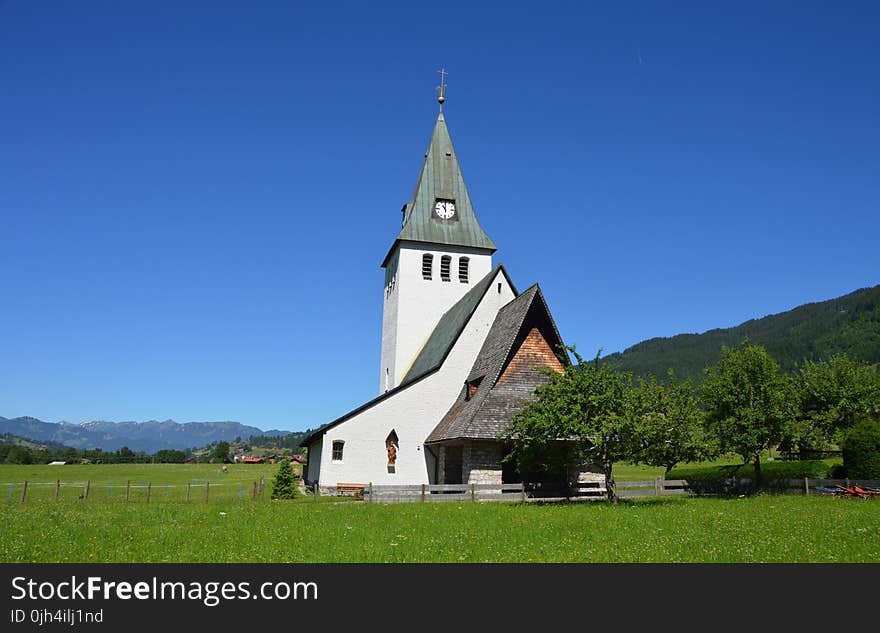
{"type": "Point", "coordinates": [861, 450]}
{"type": "Point", "coordinates": [283, 486]}
{"type": "Point", "coordinates": [838, 472]}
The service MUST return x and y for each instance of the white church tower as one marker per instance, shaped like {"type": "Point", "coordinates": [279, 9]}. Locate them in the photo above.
{"type": "Point", "coordinates": [439, 254]}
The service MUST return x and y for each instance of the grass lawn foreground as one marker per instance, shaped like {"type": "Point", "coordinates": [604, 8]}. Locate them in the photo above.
{"type": "Point", "coordinates": [235, 527]}
{"type": "Point", "coordinates": [761, 528]}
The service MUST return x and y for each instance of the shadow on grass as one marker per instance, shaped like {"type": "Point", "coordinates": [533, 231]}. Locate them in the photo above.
{"type": "Point", "coordinates": [621, 502]}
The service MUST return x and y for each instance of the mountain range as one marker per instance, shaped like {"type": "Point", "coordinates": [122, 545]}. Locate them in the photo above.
{"type": "Point", "coordinates": [849, 325]}
{"type": "Point", "coordinates": [148, 437]}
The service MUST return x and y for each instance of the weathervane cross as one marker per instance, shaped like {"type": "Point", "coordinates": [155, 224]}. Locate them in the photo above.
{"type": "Point", "coordinates": [442, 87]}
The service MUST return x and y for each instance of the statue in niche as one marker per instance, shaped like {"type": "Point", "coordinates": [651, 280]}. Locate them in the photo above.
{"type": "Point", "coordinates": [392, 453]}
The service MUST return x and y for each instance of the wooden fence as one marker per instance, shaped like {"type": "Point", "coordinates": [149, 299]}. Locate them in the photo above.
{"type": "Point", "coordinates": [807, 454]}
{"type": "Point", "coordinates": [519, 492]}
{"type": "Point", "coordinates": [439, 493]}
{"type": "Point", "coordinates": [129, 491]}
{"type": "Point", "coordinates": [374, 493]}
{"type": "Point", "coordinates": [804, 486]}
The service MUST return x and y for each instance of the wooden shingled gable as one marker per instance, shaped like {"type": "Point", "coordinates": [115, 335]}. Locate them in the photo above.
{"type": "Point", "coordinates": [506, 372]}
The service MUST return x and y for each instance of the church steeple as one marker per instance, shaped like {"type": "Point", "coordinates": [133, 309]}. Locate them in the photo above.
{"type": "Point", "coordinates": [441, 182]}
{"type": "Point", "coordinates": [439, 254]}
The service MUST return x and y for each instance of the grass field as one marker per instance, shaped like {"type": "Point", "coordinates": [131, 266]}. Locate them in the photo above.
{"type": "Point", "coordinates": [108, 481]}
{"type": "Point", "coordinates": [751, 529]}
{"type": "Point", "coordinates": [234, 527]}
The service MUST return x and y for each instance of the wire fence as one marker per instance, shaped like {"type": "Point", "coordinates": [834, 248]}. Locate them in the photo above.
{"type": "Point", "coordinates": [132, 491]}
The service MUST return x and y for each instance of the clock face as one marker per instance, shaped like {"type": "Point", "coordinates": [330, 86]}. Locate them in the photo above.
{"type": "Point", "coordinates": [445, 209]}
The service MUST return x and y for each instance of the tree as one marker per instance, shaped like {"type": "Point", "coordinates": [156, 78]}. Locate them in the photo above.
{"type": "Point", "coordinates": [748, 403]}
{"type": "Point", "coordinates": [833, 393]}
{"type": "Point", "coordinates": [669, 424]}
{"type": "Point", "coordinates": [579, 416]}
{"type": "Point", "coordinates": [170, 456]}
{"type": "Point", "coordinates": [19, 455]}
{"type": "Point", "coordinates": [283, 486]}
{"type": "Point", "coordinates": [221, 452]}
{"type": "Point", "coordinates": [861, 449]}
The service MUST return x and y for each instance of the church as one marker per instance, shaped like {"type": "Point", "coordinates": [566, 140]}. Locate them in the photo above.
{"type": "Point", "coordinates": [462, 348]}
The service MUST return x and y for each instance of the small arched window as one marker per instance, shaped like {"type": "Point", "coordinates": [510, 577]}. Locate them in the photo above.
{"type": "Point", "coordinates": [445, 265]}
{"type": "Point", "coordinates": [463, 269]}
{"type": "Point", "coordinates": [427, 265]}
{"type": "Point", "coordinates": [338, 445]}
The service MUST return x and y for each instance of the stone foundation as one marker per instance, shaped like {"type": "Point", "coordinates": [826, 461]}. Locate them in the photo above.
{"type": "Point", "coordinates": [481, 463]}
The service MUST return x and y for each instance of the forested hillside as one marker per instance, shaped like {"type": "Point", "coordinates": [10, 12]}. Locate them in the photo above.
{"type": "Point", "coordinates": [849, 324]}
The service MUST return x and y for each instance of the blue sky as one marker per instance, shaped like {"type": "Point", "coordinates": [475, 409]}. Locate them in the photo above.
{"type": "Point", "coordinates": [195, 198]}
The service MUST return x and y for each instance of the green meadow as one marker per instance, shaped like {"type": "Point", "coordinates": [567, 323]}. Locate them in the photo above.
{"type": "Point", "coordinates": [235, 527]}
{"type": "Point", "coordinates": [761, 528]}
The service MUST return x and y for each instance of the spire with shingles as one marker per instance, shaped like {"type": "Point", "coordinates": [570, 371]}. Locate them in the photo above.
{"type": "Point", "coordinates": [441, 179]}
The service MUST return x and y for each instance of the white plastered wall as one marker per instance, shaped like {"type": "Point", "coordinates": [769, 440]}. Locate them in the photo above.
{"type": "Point", "coordinates": [413, 305]}
{"type": "Point", "coordinates": [412, 413]}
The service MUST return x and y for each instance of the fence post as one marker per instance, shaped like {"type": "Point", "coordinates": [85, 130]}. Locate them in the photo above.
{"type": "Point", "coordinates": [657, 487]}
{"type": "Point", "coordinates": [371, 492]}
{"type": "Point", "coordinates": [806, 486]}
{"type": "Point", "coordinates": [262, 487]}
{"type": "Point", "coordinates": [255, 491]}
{"type": "Point", "coordinates": [24, 491]}
{"type": "Point", "coordinates": [86, 491]}
{"type": "Point", "coordinates": [149, 488]}
{"type": "Point", "coordinates": [127, 489]}
{"type": "Point", "coordinates": [847, 482]}
{"type": "Point", "coordinates": [57, 488]}
{"type": "Point", "coordinates": [522, 491]}
{"type": "Point", "coordinates": [111, 490]}
{"type": "Point", "coordinates": [423, 493]}
{"type": "Point", "coordinates": [473, 493]}
{"type": "Point", "coordinates": [207, 485]}
{"type": "Point", "coordinates": [188, 486]}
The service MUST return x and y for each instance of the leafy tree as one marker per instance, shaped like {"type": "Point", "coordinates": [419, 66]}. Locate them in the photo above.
{"type": "Point", "coordinates": [283, 486]}
{"type": "Point", "coordinates": [221, 452]}
{"type": "Point", "coordinates": [580, 416]}
{"type": "Point", "coordinates": [19, 455]}
{"type": "Point", "coordinates": [861, 449]}
{"type": "Point", "coordinates": [748, 403]}
{"type": "Point", "coordinates": [125, 454]}
{"type": "Point", "coordinates": [170, 456]}
{"type": "Point", "coordinates": [833, 393]}
{"type": "Point", "coordinates": [669, 424]}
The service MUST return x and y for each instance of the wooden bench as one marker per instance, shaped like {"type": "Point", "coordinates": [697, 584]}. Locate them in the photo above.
{"type": "Point", "coordinates": [356, 490]}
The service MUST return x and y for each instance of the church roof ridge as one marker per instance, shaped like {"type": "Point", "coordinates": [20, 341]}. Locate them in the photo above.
{"type": "Point", "coordinates": [436, 349]}
{"type": "Point", "coordinates": [450, 326]}
{"type": "Point", "coordinates": [441, 179]}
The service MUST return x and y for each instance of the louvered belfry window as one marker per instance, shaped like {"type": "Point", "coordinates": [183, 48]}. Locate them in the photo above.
{"type": "Point", "coordinates": [427, 265]}
{"type": "Point", "coordinates": [463, 269]}
{"type": "Point", "coordinates": [445, 265]}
